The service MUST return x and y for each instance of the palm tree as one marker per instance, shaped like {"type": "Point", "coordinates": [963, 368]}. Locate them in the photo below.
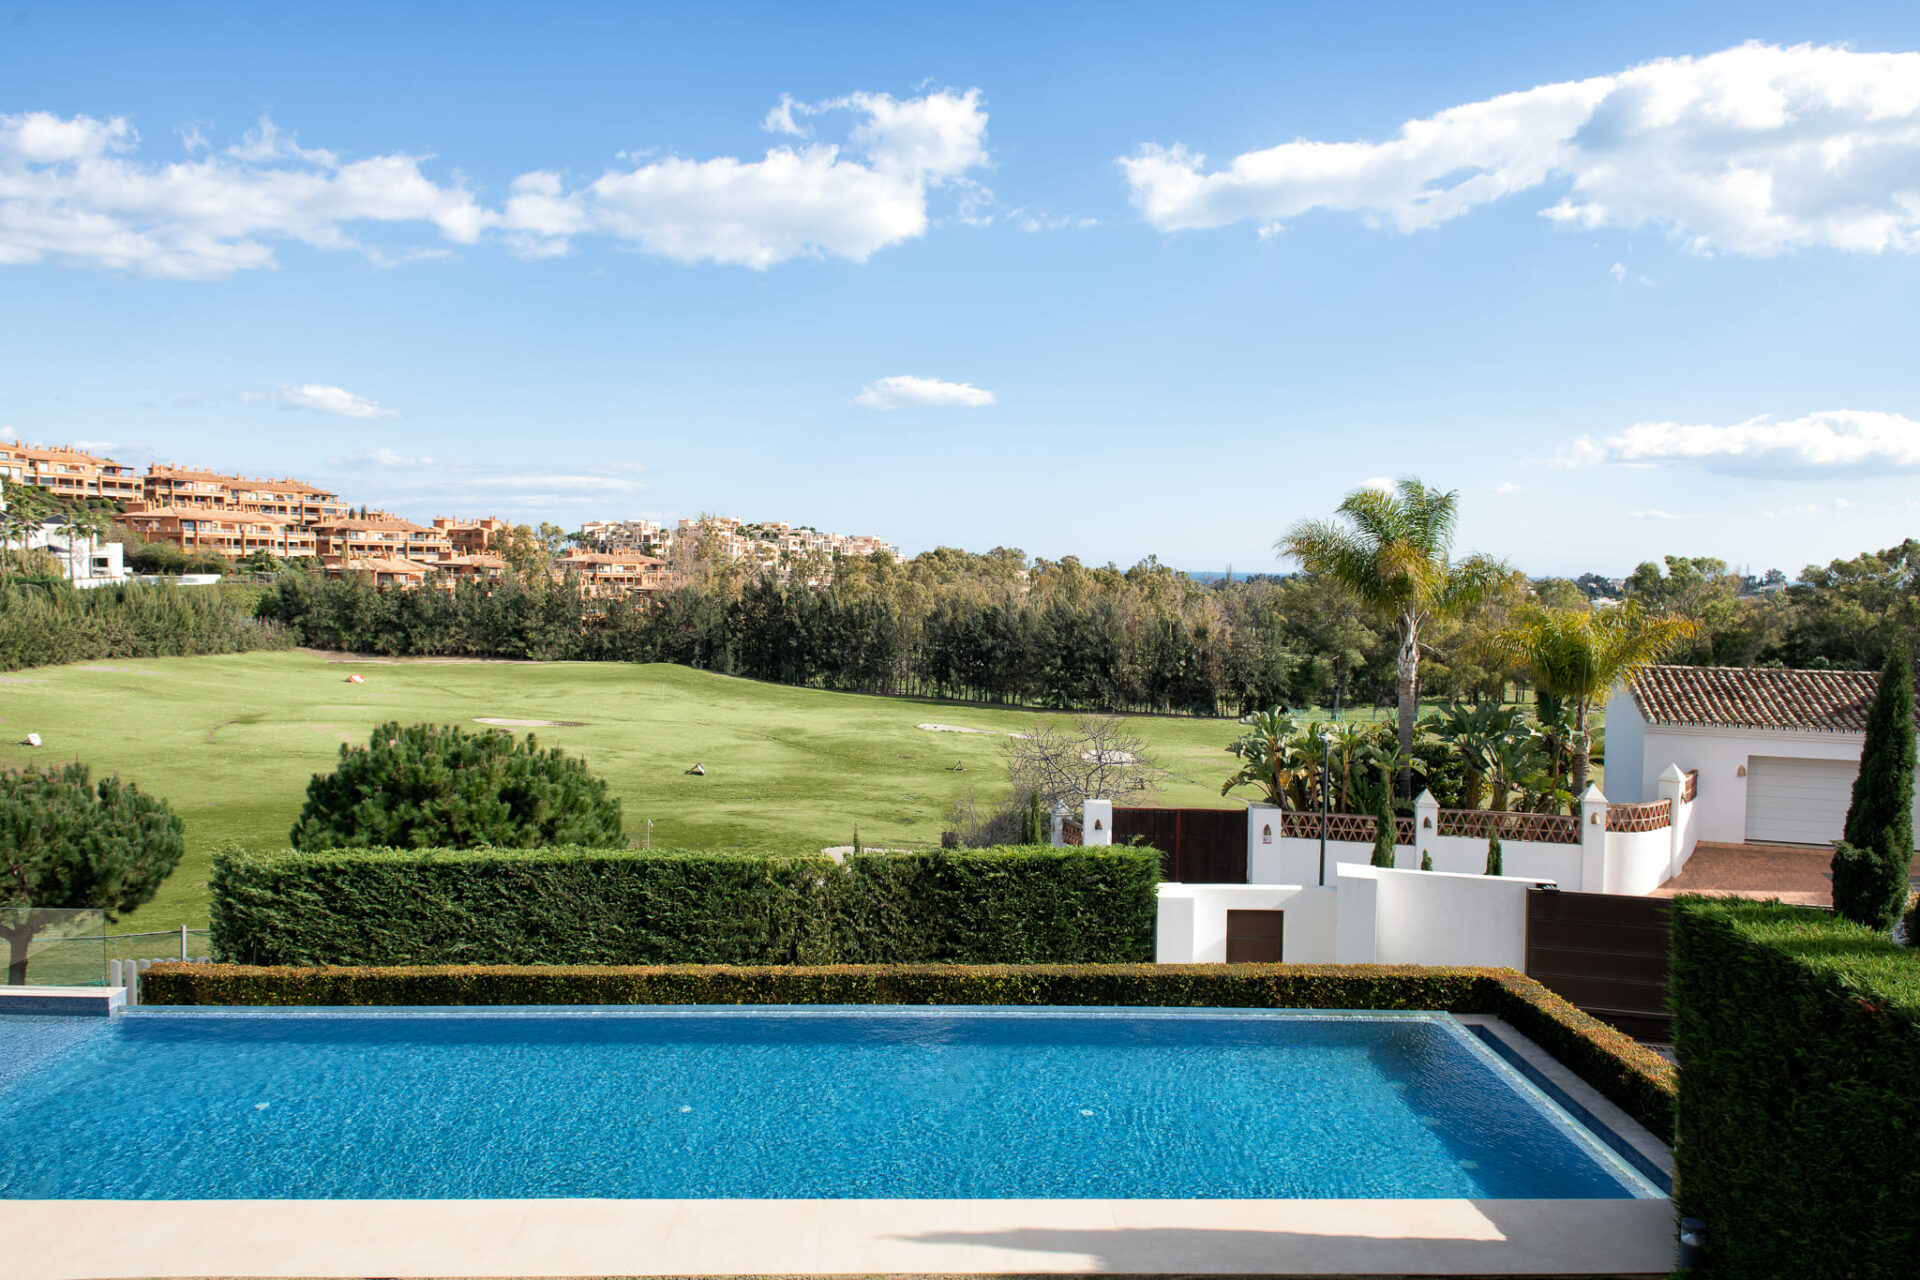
{"type": "Point", "coordinates": [1391, 552]}
{"type": "Point", "coordinates": [1581, 654]}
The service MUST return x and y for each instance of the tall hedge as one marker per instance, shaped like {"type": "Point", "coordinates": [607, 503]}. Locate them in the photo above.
{"type": "Point", "coordinates": [1798, 1037]}
{"type": "Point", "coordinates": [622, 907]}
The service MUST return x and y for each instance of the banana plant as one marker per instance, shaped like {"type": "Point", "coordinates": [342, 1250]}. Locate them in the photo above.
{"type": "Point", "coordinates": [1269, 757]}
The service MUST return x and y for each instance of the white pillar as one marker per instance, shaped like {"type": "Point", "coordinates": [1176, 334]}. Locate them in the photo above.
{"type": "Point", "coordinates": [1672, 783]}
{"type": "Point", "coordinates": [1060, 813]}
{"type": "Point", "coordinates": [1426, 826]}
{"type": "Point", "coordinates": [1593, 842]}
{"type": "Point", "coordinates": [1096, 822]}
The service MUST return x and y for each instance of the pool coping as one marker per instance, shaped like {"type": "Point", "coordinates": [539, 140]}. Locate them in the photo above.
{"type": "Point", "coordinates": [127, 1240]}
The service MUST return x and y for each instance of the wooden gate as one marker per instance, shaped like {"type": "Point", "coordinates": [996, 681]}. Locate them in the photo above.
{"type": "Point", "coordinates": [1604, 953]}
{"type": "Point", "coordinates": [1197, 846]}
{"type": "Point", "coordinates": [1255, 937]}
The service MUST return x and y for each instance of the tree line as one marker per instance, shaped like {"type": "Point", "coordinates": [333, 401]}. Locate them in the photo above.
{"type": "Point", "coordinates": [999, 627]}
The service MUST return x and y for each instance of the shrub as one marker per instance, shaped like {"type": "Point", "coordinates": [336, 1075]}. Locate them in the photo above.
{"type": "Point", "coordinates": [1383, 827]}
{"type": "Point", "coordinates": [68, 842]}
{"type": "Point", "coordinates": [44, 626]}
{"type": "Point", "coordinates": [585, 906]}
{"type": "Point", "coordinates": [1637, 1079]}
{"type": "Point", "coordinates": [1871, 861]}
{"type": "Point", "coordinates": [439, 786]}
{"type": "Point", "coordinates": [1797, 1034]}
{"type": "Point", "coordinates": [1493, 849]}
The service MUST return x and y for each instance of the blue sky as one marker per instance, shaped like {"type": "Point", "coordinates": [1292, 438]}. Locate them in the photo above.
{"type": "Point", "coordinates": [1133, 279]}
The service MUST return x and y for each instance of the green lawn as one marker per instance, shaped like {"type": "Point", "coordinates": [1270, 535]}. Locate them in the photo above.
{"type": "Point", "coordinates": [231, 741]}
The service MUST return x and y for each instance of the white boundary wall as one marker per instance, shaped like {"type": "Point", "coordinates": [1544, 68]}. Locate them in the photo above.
{"type": "Point", "coordinates": [1432, 917]}
{"type": "Point", "coordinates": [1193, 921]}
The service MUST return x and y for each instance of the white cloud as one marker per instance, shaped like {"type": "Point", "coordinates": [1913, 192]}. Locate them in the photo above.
{"type": "Point", "coordinates": [816, 200]}
{"type": "Point", "coordinates": [1804, 510]}
{"type": "Point", "coordinates": [1830, 440]}
{"type": "Point", "coordinates": [909, 392]}
{"type": "Point", "coordinates": [1385, 484]}
{"type": "Point", "coordinates": [1507, 486]}
{"type": "Point", "coordinates": [1754, 150]}
{"type": "Point", "coordinates": [1655, 513]}
{"type": "Point", "coordinates": [1618, 271]}
{"type": "Point", "coordinates": [73, 190]}
{"type": "Point", "coordinates": [321, 399]}
{"type": "Point", "coordinates": [382, 458]}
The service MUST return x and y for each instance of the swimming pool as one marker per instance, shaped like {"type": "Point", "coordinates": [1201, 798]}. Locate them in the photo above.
{"type": "Point", "coordinates": [783, 1103]}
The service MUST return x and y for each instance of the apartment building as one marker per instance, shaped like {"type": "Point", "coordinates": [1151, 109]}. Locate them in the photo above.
{"type": "Point", "coordinates": [615, 573]}
{"type": "Point", "coordinates": [170, 486]}
{"type": "Point", "coordinates": [629, 535]}
{"type": "Point", "coordinates": [69, 473]}
{"type": "Point", "coordinates": [470, 537]}
{"type": "Point", "coordinates": [379, 534]}
{"type": "Point", "coordinates": [471, 568]}
{"type": "Point", "coordinates": [386, 571]}
{"type": "Point", "coordinates": [234, 534]}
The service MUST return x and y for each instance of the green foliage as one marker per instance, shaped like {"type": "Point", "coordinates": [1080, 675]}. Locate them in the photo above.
{"type": "Point", "coordinates": [586, 906]}
{"type": "Point", "coordinates": [1493, 849]}
{"type": "Point", "coordinates": [1871, 860]}
{"type": "Point", "coordinates": [67, 841]}
{"type": "Point", "coordinates": [1034, 825]}
{"type": "Point", "coordinates": [1426, 861]}
{"type": "Point", "coordinates": [428, 786]}
{"type": "Point", "coordinates": [45, 626]}
{"type": "Point", "coordinates": [1276, 755]}
{"type": "Point", "coordinates": [1383, 829]}
{"type": "Point", "coordinates": [1797, 1034]}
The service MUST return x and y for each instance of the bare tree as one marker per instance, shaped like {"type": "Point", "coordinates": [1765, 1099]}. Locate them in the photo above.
{"type": "Point", "coordinates": [1093, 759]}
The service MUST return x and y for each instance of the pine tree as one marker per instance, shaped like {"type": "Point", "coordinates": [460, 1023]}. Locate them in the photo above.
{"type": "Point", "coordinates": [1871, 860]}
{"type": "Point", "coordinates": [439, 786]}
{"type": "Point", "coordinates": [1383, 826]}
{"type": "Point", "coordinates": [67, 842]}
{"type": "Point", "coordinates": [1493, 851]}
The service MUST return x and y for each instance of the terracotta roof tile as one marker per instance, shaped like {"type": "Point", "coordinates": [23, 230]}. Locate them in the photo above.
{"type": "Point", "coordinates": [1756, 698]}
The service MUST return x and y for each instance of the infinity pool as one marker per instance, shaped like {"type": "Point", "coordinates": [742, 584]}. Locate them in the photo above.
{"type": "Point", "coordinates": [890, 1102]}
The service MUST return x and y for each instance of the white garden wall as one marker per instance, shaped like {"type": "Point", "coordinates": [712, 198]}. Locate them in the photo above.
{"type": "Point", "coordinates": [1193, 921]}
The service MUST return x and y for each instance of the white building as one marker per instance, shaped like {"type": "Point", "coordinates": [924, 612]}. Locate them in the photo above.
{"type": "Point", "coordinates": [87, 563]}
{"type": "Point", "coordinates": [1777, 750]}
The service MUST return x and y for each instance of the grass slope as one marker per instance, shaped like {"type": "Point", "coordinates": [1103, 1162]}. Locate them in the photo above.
{"type": "Point", "coordinates": [230, 742]}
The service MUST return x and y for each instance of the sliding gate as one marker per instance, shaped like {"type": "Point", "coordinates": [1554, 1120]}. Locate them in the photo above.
{"type": "Point", "coordinates": [1197, 846]}
{"type": "Point", "coordinates": [1605, 954]}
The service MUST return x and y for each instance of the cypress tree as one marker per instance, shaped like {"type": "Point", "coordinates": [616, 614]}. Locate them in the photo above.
{"type": "Point", "coordinates": [1383, 826]}
{"type": "Point", "coordinates": [1493, 850]}
{"type": "Point", "coordinates": [1871, 860]}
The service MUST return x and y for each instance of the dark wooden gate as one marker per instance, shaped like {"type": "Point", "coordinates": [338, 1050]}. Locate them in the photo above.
{"type": "Point", "coordinates": [1255, 937]}
{"type": "Point", "coordinates": [1604, 953]}
{"type": "Point", "coordinates": [1197, 846]}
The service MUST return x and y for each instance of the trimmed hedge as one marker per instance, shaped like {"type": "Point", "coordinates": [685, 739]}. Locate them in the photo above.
{"type": "Point", "coordinates": [572, 906]}
{"type": "Point", "coordinates": [1798, 1035]}
{"type": "Point", "coordinates": [1637, 1079]}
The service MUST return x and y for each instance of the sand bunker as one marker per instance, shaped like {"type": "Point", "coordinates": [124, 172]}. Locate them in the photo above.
{"type": "Point", "coordinates": [508, 723]}
{"type": "Point", "coordinates": [949, 728]}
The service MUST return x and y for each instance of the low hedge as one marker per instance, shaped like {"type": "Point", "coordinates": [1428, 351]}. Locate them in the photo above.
{"type": "Point", "coordinates": [623, 907]}
{"type": "Point", "coordinates": [1798, 1035]}
{"type": "Point", "coordinates": [1637, 1079]}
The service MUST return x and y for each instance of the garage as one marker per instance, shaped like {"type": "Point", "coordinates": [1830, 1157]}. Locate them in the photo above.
{"type": "Point", "coordinates": [1797, 801]}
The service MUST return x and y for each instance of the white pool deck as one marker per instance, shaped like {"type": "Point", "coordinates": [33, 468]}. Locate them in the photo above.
{"type": "Point", "coordinates": [99, 1240]}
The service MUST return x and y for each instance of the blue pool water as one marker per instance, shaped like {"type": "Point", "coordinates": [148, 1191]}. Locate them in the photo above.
{"type": "Point", "coordinates": [787, 1103]}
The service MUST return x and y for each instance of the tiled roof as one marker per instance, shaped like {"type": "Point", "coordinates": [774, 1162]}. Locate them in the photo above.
{"type": "Point", "coordinates": [1756, 698]}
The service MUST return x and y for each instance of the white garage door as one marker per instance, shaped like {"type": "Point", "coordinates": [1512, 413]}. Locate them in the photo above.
{"type": "Point", "coordinates": [1798, 801]}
